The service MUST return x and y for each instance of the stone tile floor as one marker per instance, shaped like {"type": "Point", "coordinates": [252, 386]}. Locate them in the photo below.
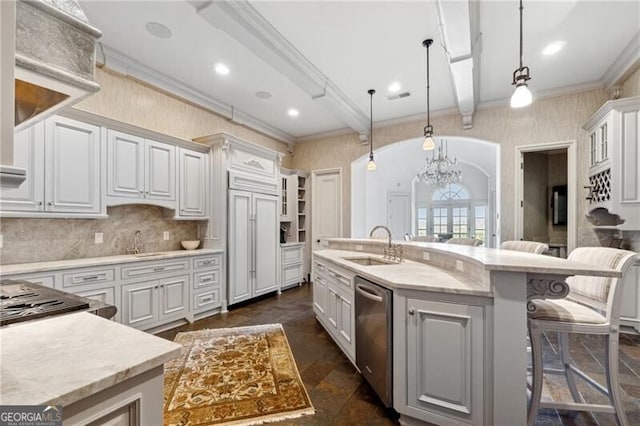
{"type": "Point", "coordinates": [341, 397]}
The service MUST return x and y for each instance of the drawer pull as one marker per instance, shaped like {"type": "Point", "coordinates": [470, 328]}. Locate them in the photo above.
{"type": "Point", "coordinates": [206, 299]}
{"type": "Point", "coordinates": [206, 262]}
{"type": "Point", "coordinates": [161, 268]}
{"type": "Point", "coordinates": [92, 277]}
{"type": "Point", "coordinates": [204, 280]}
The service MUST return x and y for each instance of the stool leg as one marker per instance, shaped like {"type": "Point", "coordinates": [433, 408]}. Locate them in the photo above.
{"type": "Point", "coordinates": [536, 376]}
{"type": "Point", "coordinates": [611, 365]}
{"type": "Point", "coordinates": [563, 341]}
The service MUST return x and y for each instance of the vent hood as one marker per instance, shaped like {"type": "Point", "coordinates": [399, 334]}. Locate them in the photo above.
{"type": "Point", "coordinates": [55, 58]}
{"type": "Point", "coordinates": [54, 49]}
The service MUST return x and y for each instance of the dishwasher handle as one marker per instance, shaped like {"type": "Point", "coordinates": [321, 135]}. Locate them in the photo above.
{"type": "Point", "coordinates": [365, 292]}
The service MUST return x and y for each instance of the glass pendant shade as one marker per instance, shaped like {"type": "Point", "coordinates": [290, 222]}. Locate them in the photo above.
{"type": "Point", "coordinates": [371, 165]}
{"type": "Point", "coordinates": [521, 97]}
{"type": "Point", "coordinates": [428, 143]}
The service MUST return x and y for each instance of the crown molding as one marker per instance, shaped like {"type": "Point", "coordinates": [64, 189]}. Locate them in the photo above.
{"type": "Point", "coordinates": [245, 24]}
{"type": "Point", "coordinates": [625, 63]}
{"type": "Point", "coordinates": [123, 64]}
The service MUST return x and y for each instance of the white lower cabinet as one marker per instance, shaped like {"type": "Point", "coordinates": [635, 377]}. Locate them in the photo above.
{"type": "Point", "coordinates": [206, 293]}
{"type": "Point", "coordinates": [151, 303]}
{"type": "Point", "coordinates": [439, 361]}
{"type": "Point", "coordinates": [333, 303]}
{"type": "Point", "coordinates": [291, 270]}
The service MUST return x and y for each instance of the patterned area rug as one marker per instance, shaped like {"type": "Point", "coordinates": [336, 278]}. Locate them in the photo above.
{"type": "Point", "coordinates": [234, 376]}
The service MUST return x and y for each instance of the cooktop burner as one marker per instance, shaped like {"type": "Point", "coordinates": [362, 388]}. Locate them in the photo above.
{"type": "Point", "coordinates": [23, 301]}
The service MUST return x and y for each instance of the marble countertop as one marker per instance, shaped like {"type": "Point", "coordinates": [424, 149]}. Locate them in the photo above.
{"type": "Point", "coordinates": [63, 359]}
{"type": "Point", "coordinates": [406, 275]}
{"type": "Point", "coordinates": [501, 260]}
{"type": "Point", "coordinates": [23, 268]}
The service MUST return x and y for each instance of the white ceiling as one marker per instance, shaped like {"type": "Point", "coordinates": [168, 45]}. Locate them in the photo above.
{"type": "Point", "coordinates": [321, 57]}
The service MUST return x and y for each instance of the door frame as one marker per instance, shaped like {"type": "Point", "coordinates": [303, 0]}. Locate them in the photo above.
{"type": "Point", "coordinates": [572, 182]}
{"type": "Point", "coordinates": [314, 205]}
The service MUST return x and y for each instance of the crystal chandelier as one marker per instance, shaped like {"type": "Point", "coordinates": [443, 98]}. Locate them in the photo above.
{"type": "Point", "coordinates": [439, 170]}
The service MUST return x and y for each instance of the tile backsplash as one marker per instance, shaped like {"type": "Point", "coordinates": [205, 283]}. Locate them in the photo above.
{"type": "Point", "coordinates": [39, 240]}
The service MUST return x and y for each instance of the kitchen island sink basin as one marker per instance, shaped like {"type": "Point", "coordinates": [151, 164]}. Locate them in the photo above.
{"type": "Point", "coordinates": [369, 261]}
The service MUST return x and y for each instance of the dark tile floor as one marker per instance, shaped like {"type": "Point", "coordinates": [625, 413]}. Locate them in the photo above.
{"type": "Point", "coordinates": [341, 397]}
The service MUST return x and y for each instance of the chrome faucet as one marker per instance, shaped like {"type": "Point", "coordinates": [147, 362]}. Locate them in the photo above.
{"type": "Point", "coordinates": [136, 249]}
{"type": "Point", "coordinates": [393, 252]}
{"type": "Point", "coordinates": [381, 227]}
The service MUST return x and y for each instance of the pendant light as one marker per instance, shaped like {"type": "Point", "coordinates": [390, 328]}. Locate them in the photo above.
{"type": "Point", "coordinates": [371, 165]}
{"type": "Point", "coordinates": [522, 96]}
{"type": "Point", "coordinates": [428, 144]}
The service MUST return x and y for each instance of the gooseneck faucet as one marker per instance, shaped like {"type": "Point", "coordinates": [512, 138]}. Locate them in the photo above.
{"type": "Point", "coordinates": [375, 228]}
{"type": "Point", "coordinates": [393, 252]}
{"type": "Point", "coordinates": [136, 249]}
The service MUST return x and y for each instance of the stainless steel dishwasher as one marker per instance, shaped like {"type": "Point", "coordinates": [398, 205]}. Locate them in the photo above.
{"type": "Point", "coordinates": [374, 337]}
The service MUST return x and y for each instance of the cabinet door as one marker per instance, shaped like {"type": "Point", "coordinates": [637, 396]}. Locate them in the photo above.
{"type": "Point", "coordinates": [160, 164]}
{"type": "Point", "coordinates": [28, 152]}
{"type": "Point", "coordinates": [319, 296]}
{"type": "Point", "coordinates": [140, 304]}
{"type": "Point", "coordinates": [193, 180]}
{"type": "Point", "coordinates": [174, 297]}
{"type": "Point", "coordinates": [346, 323]}
{"type": "Point", "coordinates": [239, 246]}
{"type": "Point", "coordinates": [72, 166]}
{"type": "Point", "coordinates": [331, 311]}
{"type": "Point", "coordinates": [445, 360]}
{"type": "Point", "coordinates": [125, 165]}
{"type": "Point", "coordinates": [266, 243]}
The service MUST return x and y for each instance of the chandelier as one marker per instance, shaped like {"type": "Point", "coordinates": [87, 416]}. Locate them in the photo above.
{"type": "Point", "coordinates": [440, 170]}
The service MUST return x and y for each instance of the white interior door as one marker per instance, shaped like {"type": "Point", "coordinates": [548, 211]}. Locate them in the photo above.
{"type": "Point", "coordinates": [326, 205]}
{"type": "Point", "coordinates": [398, 214]}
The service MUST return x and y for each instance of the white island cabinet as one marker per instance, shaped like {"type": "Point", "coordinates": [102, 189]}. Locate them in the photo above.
{"type": "Point", "coordinates": [459, 322]}
{"type": "Point", "coordinates": [100, 372]}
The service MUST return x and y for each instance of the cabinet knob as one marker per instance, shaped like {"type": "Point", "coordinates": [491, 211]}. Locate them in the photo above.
{"type": "Point", "coordinates": [49, 203]}
{"type": "Point", "coordinates": [141, 191]}
{"type": "Point", "coordinates": [412, 311]}
{"type": "Point", "coordinates": [40, 203]}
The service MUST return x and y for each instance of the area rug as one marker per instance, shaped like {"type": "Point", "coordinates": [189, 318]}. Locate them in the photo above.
{"type": "Point", "coordinates": [234, 376]}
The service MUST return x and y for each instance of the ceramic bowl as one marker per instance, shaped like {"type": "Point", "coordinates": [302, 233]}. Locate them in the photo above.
{"type": "Point", "coordinates": [190, 244]}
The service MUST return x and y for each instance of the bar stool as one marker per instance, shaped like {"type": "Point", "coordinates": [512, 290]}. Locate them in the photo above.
{"type": "Point", "coordinates": [526, 246]}
{"type": "Point", "coordinates": [464, 241]}
{"type": "Point", "coordinates": [592, 307]}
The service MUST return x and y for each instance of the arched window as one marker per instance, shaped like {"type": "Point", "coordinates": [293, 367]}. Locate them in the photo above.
{"type": "Point", "coordinates": [450, 192]}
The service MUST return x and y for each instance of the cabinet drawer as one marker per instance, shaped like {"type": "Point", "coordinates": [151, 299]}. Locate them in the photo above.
{"type": "Point", "coordinates": [88, 277]}
{"type": "Point", "coordinates": [207, 261]}
{"type": "Point", "coordinates": [340, 277]}
{"type": "Point", "coordinates": [291, 274]}
{"type": "Point", "coordinates": [207, 300]}
{"type": "Point", "coordinates": [45, 280]}
{"type": "Point", "coordinates": [154, 268]}
{"type": "Point", "coordinates": [291, 255]}
{"type": "Point", "coordinates": [206, 279]}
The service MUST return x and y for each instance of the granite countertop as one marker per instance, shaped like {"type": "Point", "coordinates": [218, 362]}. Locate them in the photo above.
{"type": "Point", "coordinates": [63, 359]}
{"type": "Point", "coordinates": [22, 268]}
{"type": "Point", "coordinates": [407, 275]}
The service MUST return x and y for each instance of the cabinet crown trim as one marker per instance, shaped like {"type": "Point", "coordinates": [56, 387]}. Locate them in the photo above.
{"type": "Point", "coordinates": [623, 104]}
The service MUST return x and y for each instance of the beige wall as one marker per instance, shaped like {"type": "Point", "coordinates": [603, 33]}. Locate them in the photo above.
{"type": "Point", "coordinates": [631, 87]}
{"type": "Point", "coordinates": [546, 120]}
{"type": "Point", "coordinates": [536, 175]}
{"type": "Point", "coordinates": [124, 99]}
{"type": "Point", "coordinates": [557, 168]}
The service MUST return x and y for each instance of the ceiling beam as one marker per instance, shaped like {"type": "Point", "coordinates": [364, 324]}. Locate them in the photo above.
{"type": "Point", "coordinates": [458, 23]}
{"type": "Point", "coordinates": [246, 25]}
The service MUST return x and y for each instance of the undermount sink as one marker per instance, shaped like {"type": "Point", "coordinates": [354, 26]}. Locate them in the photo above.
{"type": "Point", "coordinates": [148, 254]}
{"type": "Point", "coordinates": [369, 261]}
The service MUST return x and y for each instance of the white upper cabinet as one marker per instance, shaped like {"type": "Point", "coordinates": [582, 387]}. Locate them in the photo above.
{"type": "Point", "coordinates": [192, 172]}
{"type": "Point", "coordinates": [63, 159]}
{"type": "Point", "coordinates": [140, 171]}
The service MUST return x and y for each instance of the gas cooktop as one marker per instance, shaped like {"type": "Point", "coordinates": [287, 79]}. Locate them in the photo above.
{"type": "Point", "coordinates": [24, 301]}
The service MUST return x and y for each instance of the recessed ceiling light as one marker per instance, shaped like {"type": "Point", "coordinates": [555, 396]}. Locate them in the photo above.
{"type": "Point", "coordinates": [263, 95]}
{"type": "Point", "coordinates": [221, 68]}
{"type": "Point", "coordinates": [394, 87]}
{"type": "Point", "coordinates": [159, 30]}
{"type": "Point", "coordinates": [553, 48]}
{"type": "Point", "coordinates": [293, 112]}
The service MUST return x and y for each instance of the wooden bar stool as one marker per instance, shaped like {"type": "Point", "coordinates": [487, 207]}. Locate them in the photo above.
{"type": "Point", "coordinates": [592, 307]}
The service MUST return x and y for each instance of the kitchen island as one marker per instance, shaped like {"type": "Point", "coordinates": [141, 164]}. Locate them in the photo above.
{"type": "Point", "coordinates": [459, 322]}
{"type": "Point", "coordinates": [96, 369]}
